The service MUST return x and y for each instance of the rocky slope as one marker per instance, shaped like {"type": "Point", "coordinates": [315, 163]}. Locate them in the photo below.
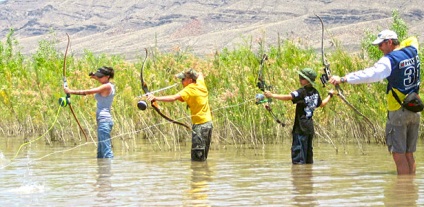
{"type": "Point", "coordinates": [202, 27]}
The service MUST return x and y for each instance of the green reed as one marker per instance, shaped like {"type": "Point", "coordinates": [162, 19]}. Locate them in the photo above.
{"type": "Point", "coordinates": [31, 87]}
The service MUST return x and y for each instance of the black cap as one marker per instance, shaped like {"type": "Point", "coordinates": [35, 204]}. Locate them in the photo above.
{"type": "Point", "coordinates": [100, 73]}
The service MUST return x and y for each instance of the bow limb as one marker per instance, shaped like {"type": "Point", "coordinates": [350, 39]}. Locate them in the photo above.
{"type": "Point", "coordinates": [143, 84]}
{"type": "Point", "coordinates": [354, 108]}
{"type": "Point", "coordinates": [261, 80]}
{"type": "Point", "coordinates": [68, 96]}
{"type": "Point", "coordinates": [263, 86]}
{"type": "Point", "coordinates": [323, 59]}
{"type": "Point", "coordinates": [327, 74]}
{"type": "Point", "coordinates": [156, 107]}
{"type": "Point", "coordinates": [154, 103]}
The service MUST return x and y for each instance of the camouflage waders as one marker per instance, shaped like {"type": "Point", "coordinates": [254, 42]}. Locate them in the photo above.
{"type": "Point", "coordinates": [200, 141]}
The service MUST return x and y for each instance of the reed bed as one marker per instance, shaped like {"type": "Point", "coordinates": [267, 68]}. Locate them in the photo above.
{"type": "Point", "coordinates": [32, 85]}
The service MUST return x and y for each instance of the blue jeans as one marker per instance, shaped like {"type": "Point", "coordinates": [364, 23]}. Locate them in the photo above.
{"type": "Point", "coordinates": [104, 147]}
{"type": "Point", "coordinates": [301, 150]}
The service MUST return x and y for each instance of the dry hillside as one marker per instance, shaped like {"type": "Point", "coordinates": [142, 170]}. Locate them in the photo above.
{"type": "Point", "coordinates": [126, 27]}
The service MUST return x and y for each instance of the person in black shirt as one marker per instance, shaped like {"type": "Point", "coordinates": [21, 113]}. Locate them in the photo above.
{"type": "Point", "coordinates": [307, 99]}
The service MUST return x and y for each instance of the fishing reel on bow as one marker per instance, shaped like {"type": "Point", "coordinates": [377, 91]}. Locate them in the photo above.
{"type": "Point", "coordinates": [64, 101]}
{"type": "Point", "coordinates": [142, 105]}
{"type": "Point", "coordinates": [260, 99]}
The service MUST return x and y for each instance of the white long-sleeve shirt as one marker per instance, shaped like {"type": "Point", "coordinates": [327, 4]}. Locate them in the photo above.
{"type": "Point", "coordinates": [379, 71]}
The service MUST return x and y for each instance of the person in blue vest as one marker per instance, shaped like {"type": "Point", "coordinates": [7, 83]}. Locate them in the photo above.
{"type": "Point", "coordinates": [400, 65]}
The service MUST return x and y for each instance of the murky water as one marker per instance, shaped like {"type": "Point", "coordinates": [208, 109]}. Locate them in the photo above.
{"type": "Point", "coordinates": [72, 176]}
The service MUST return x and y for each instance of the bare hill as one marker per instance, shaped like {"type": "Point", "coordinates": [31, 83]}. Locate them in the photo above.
{"type": "Point", "coordinates": [202, 27]}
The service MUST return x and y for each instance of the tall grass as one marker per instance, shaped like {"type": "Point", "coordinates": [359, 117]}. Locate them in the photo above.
{"type": "Point", "coordinates": [31, 86]}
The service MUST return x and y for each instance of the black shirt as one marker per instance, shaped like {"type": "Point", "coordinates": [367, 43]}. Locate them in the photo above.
{"type": "Point", "coordinates": [307, 99]}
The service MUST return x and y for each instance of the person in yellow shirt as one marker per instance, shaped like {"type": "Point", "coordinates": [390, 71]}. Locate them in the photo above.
{"type": "Point", "coordinates": [400, 65]}
{"type": "Point", "coordinates": [195, 94]}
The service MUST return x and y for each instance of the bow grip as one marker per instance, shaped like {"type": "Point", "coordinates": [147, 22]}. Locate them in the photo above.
{"type": "Point", "coordinates": [261, 85]}
{"type": "Point", "coordinates": [65, 82]}
{"type": "Point", "coordinates": [326, 76]}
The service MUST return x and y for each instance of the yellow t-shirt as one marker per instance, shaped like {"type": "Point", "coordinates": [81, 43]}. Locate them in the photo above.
{"type": "Point", "coordinates": [392, 104]}
{"type": "Point", "coordinates": [411, 41]}
{"type": "Point", "coordinates": [196, 97]}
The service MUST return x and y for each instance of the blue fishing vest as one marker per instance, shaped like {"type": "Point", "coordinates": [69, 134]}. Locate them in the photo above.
{"type": "Point", "coordinates": [405, 75]}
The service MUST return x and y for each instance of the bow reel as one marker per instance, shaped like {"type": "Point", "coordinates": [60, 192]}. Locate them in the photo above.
{"type": "Point", "coordinates": [142, 105]}
{"type": "Point", "coordinates": [64, 101]}
{"type": "Point", "coordinates": [260, 99]}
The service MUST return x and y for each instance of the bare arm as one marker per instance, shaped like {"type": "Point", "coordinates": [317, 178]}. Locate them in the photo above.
{"type": "Point", "coordinates": [286, 97]}
{"type": "Point", "coordinates": [104, 90]}
{"type": "Point", "coordinates": [379, 71]}
{"type": "Point", "coordinates": [327, 99]}
{"type": "Point", "coordinates": [170, 98]}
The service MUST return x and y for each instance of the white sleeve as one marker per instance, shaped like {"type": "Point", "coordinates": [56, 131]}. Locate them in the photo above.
{"type": "Point", "coordinates": [381, 70]}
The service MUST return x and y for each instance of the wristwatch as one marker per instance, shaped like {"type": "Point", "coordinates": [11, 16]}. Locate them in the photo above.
{"type": "Point", "coordinates": [343, 80]}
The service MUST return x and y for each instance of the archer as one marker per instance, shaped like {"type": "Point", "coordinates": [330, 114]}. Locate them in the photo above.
{"type": "Point", "coordinates": [104, 95]}
{"type": "Point", "coordinates": [195, 94]}
{"type": "Point", "coordinates": [400, 65]}
{"type": "Point", "coordinates": [307, 99]}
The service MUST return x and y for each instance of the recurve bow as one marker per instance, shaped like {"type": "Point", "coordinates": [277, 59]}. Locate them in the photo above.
{"type": "Point", "coordinates": [327, 74]}
{"type": "Point", "coordinates": [154, 103]}
{"type": "Point", "coordinates": [68, 96]}
{"type": "Point", "coordinates": [263, 86]}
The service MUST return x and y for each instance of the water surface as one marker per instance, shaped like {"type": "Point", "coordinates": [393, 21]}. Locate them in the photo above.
{"type": "Point", "coordinates": [71, 176]}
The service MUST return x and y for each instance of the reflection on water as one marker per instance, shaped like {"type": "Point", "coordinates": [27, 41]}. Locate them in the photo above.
{"type": "Point", "coordinates": [201, 176]}
{"type": "Point", "coordinates": [3, 160]}
{"type": "Point", "coordinates": [303, 185]}
{"type": "Point", "coordinates": [401, 191]}
{"type": "Point", "coordinates": [71, 176]}
{"type": "Point", "coordinates": [103, 184]}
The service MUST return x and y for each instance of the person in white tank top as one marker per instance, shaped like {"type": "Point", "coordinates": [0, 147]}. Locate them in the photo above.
{"type": "Point", "coordinates": [104, 95]}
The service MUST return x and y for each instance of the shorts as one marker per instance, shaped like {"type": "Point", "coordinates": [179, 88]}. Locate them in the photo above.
{"type": "Point", "coordinates": [402, 128]}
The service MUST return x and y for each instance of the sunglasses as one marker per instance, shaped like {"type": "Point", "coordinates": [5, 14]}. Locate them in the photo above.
{"type": "Point", "coordinates": [381, 43]}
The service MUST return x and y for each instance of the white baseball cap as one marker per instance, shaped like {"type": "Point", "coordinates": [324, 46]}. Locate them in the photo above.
{"type": "Point", "coordinates": [385, 35]}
